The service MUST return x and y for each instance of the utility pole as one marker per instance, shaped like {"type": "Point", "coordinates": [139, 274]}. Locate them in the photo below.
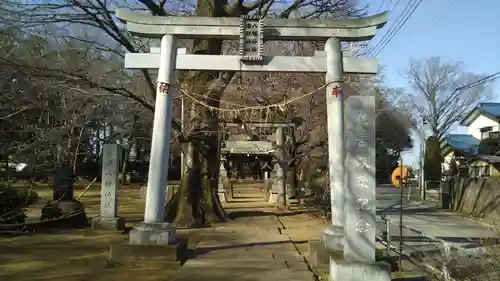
{"type": "Point", "coordinates": [401, 186]}
{"type": "Point", "coordinates": [422, 135]}
{"type": "Point", "coordinates": [182, 129]}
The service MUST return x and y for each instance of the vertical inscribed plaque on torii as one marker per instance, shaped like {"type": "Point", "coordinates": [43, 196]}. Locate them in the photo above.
{"type": "Point", "coordinates": [251, 38]}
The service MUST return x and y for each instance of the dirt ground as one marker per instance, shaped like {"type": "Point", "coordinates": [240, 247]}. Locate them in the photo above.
{"type": "Point", "coordinates": [83, 254]}
{"type": "Point", "coordinates": [77, 254]}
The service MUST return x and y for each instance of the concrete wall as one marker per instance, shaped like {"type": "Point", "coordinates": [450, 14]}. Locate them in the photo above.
{"type": "Point", "coordinates": [481, 122]}
{"type": "Point", "coordinates": [477, 197]}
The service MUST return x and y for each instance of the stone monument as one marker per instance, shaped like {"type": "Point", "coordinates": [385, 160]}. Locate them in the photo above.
{"type": "Point", "coordinates": [277, 185]}
{"type": "Point", "coordinates": [110, 184]}
{"type": "Point", "coordinates": [223, 182]}
{"type": "Point", "coordinates": [62, 184]}
{"type": "Point", "coordinates": [63, 211]}
{"type": "Point", "coordinates": [278, 193]}
{"type": "Point", "coordinates": [360, 204]}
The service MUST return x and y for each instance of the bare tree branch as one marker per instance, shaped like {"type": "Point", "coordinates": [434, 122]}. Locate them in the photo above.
{"type": "Point", "coordinates": [436, 98]}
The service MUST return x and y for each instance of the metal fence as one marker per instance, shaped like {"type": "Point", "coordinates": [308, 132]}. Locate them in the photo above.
{"type": "Point", "coordinates": [477, 261]}
{"type": "Point", "coordinates": [430, 253]}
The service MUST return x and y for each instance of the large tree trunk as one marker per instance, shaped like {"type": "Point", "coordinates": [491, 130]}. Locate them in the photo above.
{"type": "Point", "coordinates": [197, 202]}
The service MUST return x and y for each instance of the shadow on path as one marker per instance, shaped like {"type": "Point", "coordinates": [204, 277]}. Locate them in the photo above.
{"type": "Point", "coordinates": [408, 210]}
{"type": "Point", "coordinates": [250, 213]}
{"type": "Point", "coordinates": [477, 241]}
{"type": "Point", "coordinates": [206, 250]}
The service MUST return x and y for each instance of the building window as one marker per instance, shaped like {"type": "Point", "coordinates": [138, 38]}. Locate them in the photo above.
{"type": "Point", "coordinates": [479, 171]}
{"type": "Point", "coordinates": [484, 171]}
{"type": "Point", "coordinates": [485, 132]}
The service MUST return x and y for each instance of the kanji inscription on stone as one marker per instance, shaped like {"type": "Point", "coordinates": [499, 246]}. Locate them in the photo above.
{"type": "Point", "coordinates": [361, 183]}
{"type": "Point", "coordinates": [362, 161]}
{"type": "Point", "coordinates": [360, 202]}
{"type": "Point", "coordinates": [362, 226]}
{"type": "Point", "coordinates": [363, 204]}
{"type": "Point", "coordinates": [110, 182]}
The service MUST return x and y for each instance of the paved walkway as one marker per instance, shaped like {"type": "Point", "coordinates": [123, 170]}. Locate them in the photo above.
{"type": "Point", "coordinates": [261, 243]}
{"type": "Point", "coordinates": [431, 221]}
{"type": "Point", "coordinates": [264, 243]}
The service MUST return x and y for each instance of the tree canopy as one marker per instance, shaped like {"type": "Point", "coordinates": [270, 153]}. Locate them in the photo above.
{"type": "Point", "coordinates": [65, 94]}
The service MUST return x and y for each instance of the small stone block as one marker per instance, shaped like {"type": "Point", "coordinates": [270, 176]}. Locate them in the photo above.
{"type": "Point", "coordinates": [333, 238]}
{"type": "Point", "coordinates": [318, 254]}
{"type": "Point", "coordinates": [222, 196]}
{"type": "Point", "coordinates": [273, 198]}
{"type": "Point", "coordinates": [123, 252]}
{"type": "Point", "coordinates": [340, 270]}
{"type": "Point", "coordinates": [117, 223]}
{"type": "Point", "coordinates": [153, 234]}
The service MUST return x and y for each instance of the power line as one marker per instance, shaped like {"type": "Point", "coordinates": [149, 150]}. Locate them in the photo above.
{"type": "Point", "coordinates": [409, 14]}
{"type": "Point", "coordinates": [392, 27]}
{"type": "Point", "coordinates": [478, 82]}
{"type": "Point", "coordinates": [447, 8]}
{"type": "Point", "coordinates": [428, 22]}
{"type": "Point", "coordinates": [381, 5]}
{"type": "Point", "coordinates": [389, 30]}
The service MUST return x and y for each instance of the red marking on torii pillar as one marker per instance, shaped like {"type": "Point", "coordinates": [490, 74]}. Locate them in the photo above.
{"type": "Point", "coordinates": [163, 87]}
{"type": "Point", "coordinates": [336, 91]}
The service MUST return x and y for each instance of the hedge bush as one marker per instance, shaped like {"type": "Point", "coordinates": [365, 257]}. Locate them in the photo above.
{"type": "Point", "coordinates": [12, 204]}
{"type": "Point", "coordinates": [432, 159]}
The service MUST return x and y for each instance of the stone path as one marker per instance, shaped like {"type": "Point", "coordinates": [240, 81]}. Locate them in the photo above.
{"type": "Point", "coordinates": [261, 243]}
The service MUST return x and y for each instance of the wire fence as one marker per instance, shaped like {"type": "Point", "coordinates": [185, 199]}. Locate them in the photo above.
{"type": "Point", "coordinates": [443, 260]}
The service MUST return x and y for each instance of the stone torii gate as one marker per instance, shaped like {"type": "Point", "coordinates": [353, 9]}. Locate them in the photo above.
{"type": "Point", "coordinates": [251, 33]}
{"type": "Point", "coordinates": [278, 191]}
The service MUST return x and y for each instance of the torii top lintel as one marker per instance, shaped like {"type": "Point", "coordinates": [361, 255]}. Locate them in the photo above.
{"type": "Point", "coordinates": [360, 29]}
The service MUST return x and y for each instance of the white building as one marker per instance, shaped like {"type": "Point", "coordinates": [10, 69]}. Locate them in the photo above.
{"type": "Point", "coordinates": [482, 122]}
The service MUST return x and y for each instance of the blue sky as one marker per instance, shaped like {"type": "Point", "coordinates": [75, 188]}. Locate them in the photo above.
{"type": "Point", "coordinates": [459, 30]}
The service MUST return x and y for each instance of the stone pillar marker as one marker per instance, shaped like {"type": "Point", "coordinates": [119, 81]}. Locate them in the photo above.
{"type": "Point", "coordinates": [361, 203]}
{"type": "Point", "coordinates": [278, 190]}
{"type": "Point", "coordinates": [223, 180]}
{"type": "Point", "coordinates": [276, 184]}
{"type": "Point", "coordinates": [110, 185]}
{"type": "Point", "coordinates": [358, 260]}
